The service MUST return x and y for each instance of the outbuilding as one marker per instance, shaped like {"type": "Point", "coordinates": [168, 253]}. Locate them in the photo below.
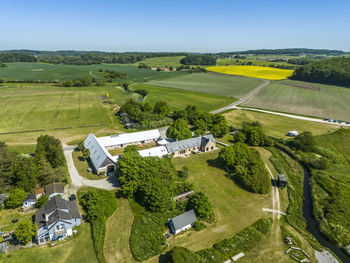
{"type": "Point", "coordinates": [293, 133]}
{"type": "Point", "coordinates": [282, 181]}
{"type": "Point", "coordinates": [30, 201]}
{"type": "Point", "coordinates": [182, 222]}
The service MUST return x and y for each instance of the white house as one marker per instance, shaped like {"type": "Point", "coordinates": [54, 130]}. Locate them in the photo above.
{"type": "Point", "coordinates": [56, 220]}
{"type": "Point", "coordinates": [30, 201]}
{"type": "Point", "coordinates": [182, 222]}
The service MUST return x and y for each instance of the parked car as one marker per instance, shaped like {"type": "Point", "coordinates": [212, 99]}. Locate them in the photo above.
{"type": "Point", "coordinates": [72, 197]}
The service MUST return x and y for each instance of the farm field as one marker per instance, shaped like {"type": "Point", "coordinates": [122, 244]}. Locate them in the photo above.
{"type": "Point", "coordinates": [212, 83]}
{"type": "Point", "coordinates": [162, 61]}
{"type": "Point", "coordinates": [50, 72]}
{"type": "Point", "coordinates": [303, 98]}
{"type": "Point", "coordinates": [277, 126]}
{"type": "Point", "coordinates": [254, 62]}
{"type": "Point", "coordinates": [253, 71]}
{"type": "Point", "coordinates": [79, 249]}
{"type": "Point", "coordinates": [177, 98]}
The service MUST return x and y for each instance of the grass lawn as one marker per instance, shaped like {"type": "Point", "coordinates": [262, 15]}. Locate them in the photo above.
{"type": "Point", "coordinates": [178, 98]}
{"type": "Point", "coordinates": [79, 249]}
{"type": "Point", "coordinates": [162, 61]}
{"type": "Point", "coordinates": [145, 146]}
{"type": "Point", "coordinates": [297, 97]}
{"type": "Point", "coordinates": [82, 165]}
{"type": "Point", "coordinates": [234, 207]}
{"type": "Point", "coordinates": [277, 126]}
{"type": "Point", "coordinates": [212, 83]}
{"type": "Point", "coordinates": [7, 215]}
{"type": "Point", "coordinates": [50, 72]}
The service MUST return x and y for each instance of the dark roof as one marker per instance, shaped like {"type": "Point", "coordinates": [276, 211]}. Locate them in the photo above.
{"type": "Point", "coordinates": [60, 208]}
{"type": "Point", "coordinates": [53, 188]}
{"type": "Point", "coordinates": [30, 197]}
{"type": "Point", "coordinates": [106, 162]}
{"type": "Point", "coordinates": [184, 219]}
{"type": "Point", "coordinates": [189, 143]}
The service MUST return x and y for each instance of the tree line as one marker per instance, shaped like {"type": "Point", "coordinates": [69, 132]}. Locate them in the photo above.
{"type": "Point", "coordinates": [334, 71]}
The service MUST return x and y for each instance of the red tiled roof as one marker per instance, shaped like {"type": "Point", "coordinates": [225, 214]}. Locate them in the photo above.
{"type": "Point", "coordinates": [39, 191]}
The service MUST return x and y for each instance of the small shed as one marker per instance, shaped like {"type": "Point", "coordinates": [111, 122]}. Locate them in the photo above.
{"type": "Point", "coordinates": [293, 133]}
{"type": "Point", "coordinates": [30, 201]}
{"type": "Point", "coordinates": [282, 181]}
{"type": "Point", "coordinates": [182, 222]}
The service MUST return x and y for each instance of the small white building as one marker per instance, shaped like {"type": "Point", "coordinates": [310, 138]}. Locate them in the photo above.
{"type": "Point", "coordinates": [29, 202]}
{"type": "Point", "coordinates": [293, 133]}
{"type": "Point", "coordinates": [182, 222]}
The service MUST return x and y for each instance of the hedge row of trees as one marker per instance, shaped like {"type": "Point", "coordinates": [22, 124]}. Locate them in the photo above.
{"type": "Point", "coordinates": [47, 165]}
{"type": "Point", "coordinates": [206, 59]}
{"type": "Point", "coordinates": [16, 57]}
{"type": "Point", "coordinates": [334, 71]}
{"type": "Point", "coordinates": [247, 167]}
{"type": "Point", "coordinates": [252, 134]}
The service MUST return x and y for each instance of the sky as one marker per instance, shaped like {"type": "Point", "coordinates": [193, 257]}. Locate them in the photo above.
{"type": "Point", "coordinates": [178, 25]}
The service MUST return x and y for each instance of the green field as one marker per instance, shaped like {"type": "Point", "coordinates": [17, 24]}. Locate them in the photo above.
{"type": "Point", "coordinates": [254, 62]}
{"type": "Point", "coordinates": [162, 61]}
{"type": "Point", "coordinates": [277, 126]}
{"type": "Point", "coordinates": [50, 72]}
{"type": "Point", "coordinates": [212, 83]}
{"type": "Point", "coordinates": [328, 102]}
{"type": "Point", "coordinates": [178, 98]}
{"type": "Point", "coordinates": [79, 249]}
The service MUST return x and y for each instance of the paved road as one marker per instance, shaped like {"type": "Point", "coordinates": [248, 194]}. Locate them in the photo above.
{"type": "Point", "coordinates": [245, 98]}
{"type": "Point", "coordinates": [78, 181]}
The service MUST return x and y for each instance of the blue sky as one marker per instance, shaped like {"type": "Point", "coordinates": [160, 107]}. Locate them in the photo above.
{"type": "Point", "coordinates": [204, 26]}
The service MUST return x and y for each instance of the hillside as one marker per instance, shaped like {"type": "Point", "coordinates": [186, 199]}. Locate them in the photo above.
{"type": "Point", "coordinates": [329, 71]}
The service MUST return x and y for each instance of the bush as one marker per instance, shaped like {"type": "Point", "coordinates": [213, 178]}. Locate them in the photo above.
{"type": "Point", "coordinates": [42, 200]}
{"type": "Point", "coordinates": [198, 226]}
{"type": "Point", "coordinates": [304, 142]}
{"type": "Point", "coordinates": [200, 203]}
{"type": "Point", "coordinates": [15, 199]}
{"type": "Point", "coordinates": [263, 225]}
{"type": "Point", "coordinates": [25, 231]}
{"type": "Point", "coordinates": [182, 255]}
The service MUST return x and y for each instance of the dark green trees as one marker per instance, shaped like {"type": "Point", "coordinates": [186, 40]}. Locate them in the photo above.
{"type": "Point", "coordinates": [247, 167]}
{"type": "Point", "coordinates": [200, 203]}
{"type": "Point", "coordinates": [182, 255]}
{"type": "Point", "coordinates": [16, 197]}
{"type": "Point", "coordinates": [25, 231]}
{"type": "Point", "coordinates": [179, 130]}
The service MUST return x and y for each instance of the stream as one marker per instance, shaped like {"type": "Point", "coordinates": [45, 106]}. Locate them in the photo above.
{"type": "Point", "coordinates": [312, 225]}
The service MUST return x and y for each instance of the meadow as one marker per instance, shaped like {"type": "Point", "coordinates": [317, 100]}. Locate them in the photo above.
{"type": "Point", "coordinates": [212, 83]}
{"type": "Point", "coordinates": [301, 98]}
{"type": "Point", "coordinates": [253, 72]}
{"type": "Point", "coordinates": [177, 98]}
{"type": "Point", "coordinates": [49, 72]}
{"type": "Point", "coordinates": [162, 61]}
{"type": "Point", "coordinates": [277, 126]}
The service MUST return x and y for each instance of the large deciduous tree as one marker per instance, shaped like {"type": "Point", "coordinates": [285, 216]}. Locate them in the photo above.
{"type": "Point", "coordinates": [179, 130]}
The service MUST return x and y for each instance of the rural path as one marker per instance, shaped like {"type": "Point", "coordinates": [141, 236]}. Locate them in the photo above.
{"type": "Point", "coordinates": [243, 99]}
{"type": "Point", "coordinates": [92, 74]}
{"type": "Point", "coordinates": [78, 181]}
{"type": "Point", "coordinates": [276, 212]}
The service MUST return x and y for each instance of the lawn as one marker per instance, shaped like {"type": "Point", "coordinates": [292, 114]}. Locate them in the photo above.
{"type": "Point", "coordinates": [254, 71]}
{"type": "Point", "coordinates": [82, 165]}
{"type": "Point", "coordinates": [303, 98]}
{"type": "Point", "coordinates": [79, 249]}
{"type": "Point", "coordinates": [178, 98]}
{"type": "Point", "coordinates": [212, 83]}
{"type": "Point", "coordinates": [277, 126]}
{"type": "Point", "coordinates": [7, 215]}
{"type": "Point", "coordinates": [51, 72]}
{"type": "Point", "coordinates": [162, 61]}
{"type": "Point", "coordinates": [234, 207]}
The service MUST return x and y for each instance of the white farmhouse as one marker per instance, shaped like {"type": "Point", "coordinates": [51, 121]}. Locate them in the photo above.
{"type": "Point", "coordinates": [182, 222]}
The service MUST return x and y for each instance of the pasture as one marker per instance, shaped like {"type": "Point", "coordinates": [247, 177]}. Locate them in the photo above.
{"type": "Point", "coordinates": [177, 98]}
{"type": "Point", "coordinates": [254, 71]}
{"type": "Point", "coordinates": [212, 83]}
{"type": "Point", "coordinates": [304, 99]}
{"type": "Point", "coordinates": [162, 61]}
{"type": "Point", "coordinates": [277, 126]}
{"type": "Point", "coordinates": [21, 71]}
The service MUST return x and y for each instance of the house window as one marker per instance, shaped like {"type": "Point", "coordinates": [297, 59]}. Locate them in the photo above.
{"type": "Point", "coordinates": [207, 149]}
{"type": "Point", "coordinates": [212, 147]}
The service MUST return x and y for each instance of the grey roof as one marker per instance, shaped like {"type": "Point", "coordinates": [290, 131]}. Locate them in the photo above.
{"type": "Point", "coordinates": [282, 177]}
{"type": "Point", "coordinates": [184, 219]}
{"type": "Point", "coordinates": [189, 143]}
{"type": "Point", "coordinates": [53, 188]}
{"type": "Point", "coordinates": [60, 208]}
{"type": "Point", "coordinates": [2, 197]}
{"type": "Point", "coordinates": [30, 197]}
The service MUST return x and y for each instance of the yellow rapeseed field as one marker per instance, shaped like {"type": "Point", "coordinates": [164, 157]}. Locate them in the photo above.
{"type": "Point", "coordinates": [254, 71]}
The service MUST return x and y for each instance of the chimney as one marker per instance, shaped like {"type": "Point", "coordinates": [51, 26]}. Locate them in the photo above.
{"type": "Point", "coordinates": [46, 217]}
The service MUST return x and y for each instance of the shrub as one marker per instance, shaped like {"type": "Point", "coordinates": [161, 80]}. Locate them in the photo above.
{"type": "Point", "coordinates": [182, 255]}
{"type": "Point", "coordinates": [16, 197]}
{"type": "Point", "coordinates": [42, 200]}
{"type": "Point", "coordinates": [198, 226]}
{"type": "Point", "coordinates": [263, 225]}
{"type": "Point", "coordinates": [25, 231]}
{"type": "Point", "coordinates": [200, 203]}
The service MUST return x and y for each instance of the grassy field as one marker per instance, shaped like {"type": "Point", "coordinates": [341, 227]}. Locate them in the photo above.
{"type": "Point", "coordinates": [304, 98]}
{"type": "Point", "coordinates": [177, 98]}
{"type": "Point", "coordinates": [50, 72]}
{"type": "Point", "coordinates": [82, 165]}
{"type": "Point", "coordinates": [277, 126]}
{"type": "Point", "coordinates": [234, 207]}
{"type": "Point", "coordinates": [218, 84]}
{"type": "Point", "coordinates": [162, 61]}
{"type": "Point", "coordinates": [79, 249]}
{"type": "Point", "coordinates": [7, 215]}
{"type": "Point", "coordinates": [254, 62]}
{"type": "Point", "coordinates": [253, 71]}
